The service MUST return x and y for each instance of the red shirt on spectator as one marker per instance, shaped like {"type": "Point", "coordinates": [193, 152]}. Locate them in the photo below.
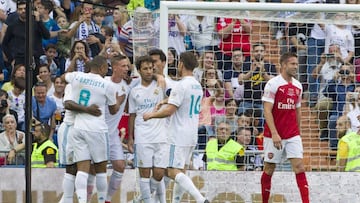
{"type": "Point", "coordinates": [238, 38]}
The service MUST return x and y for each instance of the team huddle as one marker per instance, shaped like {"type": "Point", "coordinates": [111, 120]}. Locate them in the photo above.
{"type": "Point", "coordinates": [89, 138]}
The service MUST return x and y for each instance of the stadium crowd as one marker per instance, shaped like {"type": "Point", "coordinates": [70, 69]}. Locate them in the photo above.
{"type": "Point", "coordinates": [232, 70]}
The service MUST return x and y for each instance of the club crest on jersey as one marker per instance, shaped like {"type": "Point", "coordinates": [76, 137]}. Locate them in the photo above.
{"type": "Point", "coordinates": [156, 92]}
{"type": "Point", "coordinates": [270, 155]}
{"type": "Point", "coordinates": [123, 89]}
{"type": "Point", "coordinates": [291, 92]}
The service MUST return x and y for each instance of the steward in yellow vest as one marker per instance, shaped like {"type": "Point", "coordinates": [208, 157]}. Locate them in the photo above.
{"type": "Point", "coordinates": [45, 152]}
{"type": "Point", "coordinates": [222, 152]}
{"type": "Point", "coordinates": [348, 157]}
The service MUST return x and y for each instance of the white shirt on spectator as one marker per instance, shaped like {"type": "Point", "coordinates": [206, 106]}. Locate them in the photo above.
{"type": "Point", "coordinates": [342, 37]}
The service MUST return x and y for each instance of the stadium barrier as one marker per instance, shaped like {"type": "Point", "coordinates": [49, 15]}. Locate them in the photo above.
{"type": "Point", "coordinates": [329, 187]}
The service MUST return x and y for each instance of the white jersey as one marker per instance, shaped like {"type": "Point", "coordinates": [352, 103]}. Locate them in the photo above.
{"type": "Point", "coordinates": [141, 100]}
{"type": "Point", "coordinates": [69, 116]}
{"type": "Point", "coordinates": [113, 120]}
{"type": "Point", "coordinates": [88, 89]}
{"type": "Point", "coordinates": [186, 95]}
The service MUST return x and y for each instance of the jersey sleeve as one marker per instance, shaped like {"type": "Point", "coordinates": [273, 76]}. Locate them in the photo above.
{"type": "Point", "coordinates": [67, 93]}
{"type": "Point", "coordinates": [176, 95]}
{"type": "Point", "coordinates": [69, 77]}
{"type": "Point", "coordinates": [269, 92]}
{"type": "Point", "coordinates": [49, 154]}
{"type": "Point", "coordinates": [131, 102]}
{"type": "Point", "coordinates": [111, 95]}
{"type": "Point", "coordinates": [342, 152]}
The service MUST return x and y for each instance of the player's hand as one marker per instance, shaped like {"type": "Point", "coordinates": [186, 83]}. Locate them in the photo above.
{"type": "Point", "coordinates": [94, 110]}
{"type": "Point", "coordinates": [147, 116]}
{"type": "Point", "coordinates": [11, 156]}
{"type": "Point", "coordinates": [130, 145]}
{"type": "Point", "coordinates": [277, 141]}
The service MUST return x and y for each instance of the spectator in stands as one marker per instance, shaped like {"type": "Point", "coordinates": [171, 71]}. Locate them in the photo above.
{"type": "Point", "coordinates": [315, 48]}
{"type": "Point", "coordinates": [12, 141]}
{"type": "Point", "coordinates": [222, 152]}
{"type": "Point", "coordinates": [44, 153]}
{"type": "Point", "coordinates": [202, 31]}
{"type": "Point", "coordinates": [336, 90]}
{"type": "Point", "coordinates": [246, 120]}
{"type": "Point", "coordinates": [347, 158]}
{"type": "Point", "coordinates": [172, 57]}
{"type": "Point", "coordinates": [298, 36]}
{"type": "Point", "coordinates": [233, 33]}
{"type": "Point", "coordinates": [217, 107]}
{"type": "Point", "coordinates": [231, 77]}
{"type": "Point", "coordinates": [45, 78]}
{"type": "Point", "coordinates": [352, 108]}
{"type": "Point", "coordinates": [18, 71]}
{"type": "Point", "coordinates": [49, 59]}
{"type": "Point", "coordinates": [109, 18]}
{"type": "Point", "coordinates": [14, 40]}
{"type": "Point", "coordinates": [5, 108]}
{"type": "Point", "coordinates": [230, 115]}
{"type": "Point", "coordinates": [88, 30]}
{"type": "Point", "coordinates": [79, 55]}
{"type": "Point", "coordinates": [99, 16]}
{"type": "Point", "coordinates": [326, 70]}
{"type": "Point", "coordinates": [205, 128]}
{"type": "Point", "coordinates": [64, 39]}
{"type": "Point", "coordinates": [177, 31]}
{"type": "Point", "coordinates": [43, 107]}
{"type": "Point", "coordinates": [251, 161]}
{"type": "Point", "coordinates": [142, 26]}
{"type": "Point", "coordinates": [340, 35]}
{"type": "Point", "coordinates": [44, 9]}
{"type": "Point", "coordinates": [207, 60]}
{"type": "Point", "coordinates": [17, 101]}
{"type": "Point", "coordinates": [120, 16]}
{"type": "Point", "coordinates": [210, 82]}
{"type": "Point", "coordinates": [256, 72]}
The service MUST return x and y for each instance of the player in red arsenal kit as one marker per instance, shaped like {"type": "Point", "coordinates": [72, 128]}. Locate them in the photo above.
{"type": "Point", "coordinates": [282, 101]}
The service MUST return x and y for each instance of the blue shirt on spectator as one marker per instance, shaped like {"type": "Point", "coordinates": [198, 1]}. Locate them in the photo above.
{"type": "Point", "coordinates": [45, 111]}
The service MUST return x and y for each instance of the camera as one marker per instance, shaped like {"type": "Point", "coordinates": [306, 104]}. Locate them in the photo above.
{"type": "Point", "coordinates": [4, 103]}
{"type": "Point", "coordinates": [330, 55]}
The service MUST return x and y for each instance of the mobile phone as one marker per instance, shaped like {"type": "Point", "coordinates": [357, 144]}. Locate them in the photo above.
{"type": "Point", "coordinates": [329, 55]}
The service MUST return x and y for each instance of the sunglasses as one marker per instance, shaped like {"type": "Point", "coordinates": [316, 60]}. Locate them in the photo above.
{"type": "Point", "coordinates": [344, 72]}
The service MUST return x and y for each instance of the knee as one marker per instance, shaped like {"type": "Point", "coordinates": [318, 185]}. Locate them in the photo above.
{"type": "Point", "coordinates": [269, 168]}
{"type": "Point", "coordinates": [118, 165]}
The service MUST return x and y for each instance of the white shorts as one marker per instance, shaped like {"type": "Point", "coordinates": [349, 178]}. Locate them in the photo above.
{"type": "Point", "coordinates": [291, 148]}
{"type": "Point", "coordinates": [151, 155]}
{"type": "Point", "coordinates": [180, 156]}
{"type": "Point", "coordinates": [65, 141]}
{"type": "Point", "coordinates": [90, 146]}
{"type": "Point", "coordinates": [115, 147]}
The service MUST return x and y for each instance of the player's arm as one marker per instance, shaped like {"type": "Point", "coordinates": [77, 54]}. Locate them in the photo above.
{"type": "Point", "coordinates": [73, 106]}
{"type": "Point", "coordinates": [269, 118]}
{"type": "Point", "coordinates": [167, 111]}
{"type": "Point", "coordinates": [298, 117]}
{"type": "Point", "coordinates": [131, 126]}
{"type": "Point", "coordinates": [113, 109]}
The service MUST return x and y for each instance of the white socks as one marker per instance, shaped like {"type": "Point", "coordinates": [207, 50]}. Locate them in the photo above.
{"type": "Point", "coordinates": [187, 185]}
{"type": "Point", "coordinates": [145, 190]}
{"type": "Point", "coordinates": [159, 187]}
{"type": "Point", "coordinates": [114, 184]}
{"type": "Point", "coordinates": [68, 187]}
{"type": "Point", "coordinates": [81, 186]}
{"type": "Point", "coordinates": [101, 186]}
{"type": "Point", "coordinates": [178, 192]}
{"type": "Point", "coordinates": [90, 187]}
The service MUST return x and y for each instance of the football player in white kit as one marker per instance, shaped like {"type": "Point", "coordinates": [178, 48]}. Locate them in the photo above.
{"type": "Point", "coordinates": [183, 106]}
{"type": "Point", "coordinates": [66, 152]}
{"type": "Point", "coordinates": [90, 132]}
{"type": "Point", "coordinates": [151, 149]}
{"type": "Point", "coordinates": [120, 66]}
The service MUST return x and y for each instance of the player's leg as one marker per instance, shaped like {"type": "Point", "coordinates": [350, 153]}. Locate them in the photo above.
{"type": "Point", "coordinates": [179, 157]}
{"type": "Point", "coordinates": [144, 154]}
{"type": "Point", "coordinates": [294, 151]}
{"type": "Point", "coordinates": [118, 164]}
{"type": "Point", "coordinates": [272, 157]}
{"type": "Point", "coordinates": [69, 184]}
{"type": "Point", "coordinates": [82, 158]}
{"type": "Point", "coordinates": [98, 143]}
{"type": "Point", "coordinates": [161, 161]}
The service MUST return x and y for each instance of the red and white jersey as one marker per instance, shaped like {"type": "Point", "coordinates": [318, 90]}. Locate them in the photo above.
{"type": "Point", "coordinates": [286, 98]}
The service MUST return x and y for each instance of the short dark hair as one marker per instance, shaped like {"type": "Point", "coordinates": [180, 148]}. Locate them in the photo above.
{"type": "Point", "coordinates": [143, 59]}
{"type": "Point", "coordinates": [50, 46]}
{"type": "Point", "coordinates": [159, 52]}
{"type": "Point", "coordinates": [96, 62]}
{"type": "Point", "coordinates": [241, 128]}
{"type": "Point", "coordinates": [189, 60]}
{"type": "Point", "coordinates": [3, 92]}
{"type": "Point", "coordinates": [258, 44]}
{"type": "Point", "coordinates": [48, 5]}
{"type": "Point", "coordinates": [20, 2]}
{"type": "Point", "coordinates": [286, 57]}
